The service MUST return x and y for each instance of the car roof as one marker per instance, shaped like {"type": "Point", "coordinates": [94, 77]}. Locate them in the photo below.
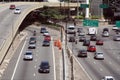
{"type": "Point", "coordinates": [71, 26]}
{"type": "Point", "coordinates": [44, 62]}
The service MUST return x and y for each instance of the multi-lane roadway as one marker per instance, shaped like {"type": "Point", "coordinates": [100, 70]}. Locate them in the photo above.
{"type": "Point", "coordinates": [97, 69]}
{"type": "Point", "coordinates": [19, 69]}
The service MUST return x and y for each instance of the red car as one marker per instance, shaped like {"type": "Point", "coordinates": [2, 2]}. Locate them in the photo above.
{"type": "Point", "coordinates": [91, 48]}
{"type": "Point", "coordinates": [99, 42]}
{"type": "Point", "coordinates": [12, 6]}
{"type": "Point", "coordinates": [48, 38]}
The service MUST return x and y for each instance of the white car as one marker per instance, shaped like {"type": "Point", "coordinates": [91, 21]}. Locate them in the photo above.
{"type": "Point", "coordinates": [28, 55]}
{"type": "Point", "coordinates": [115, 28]}
{"type": "Point", "coordinates": [108, 78]}
{"type": "Point", "coordinates": [17, 11]}
{"type": "Point", "coordinates": [116, 38]}
{"type": "Point", "coordinates": [99, 55]}
{"type": "Point", "coordinates": [46, 33]}
{"type": "Point", "coordinates": [105, 34]}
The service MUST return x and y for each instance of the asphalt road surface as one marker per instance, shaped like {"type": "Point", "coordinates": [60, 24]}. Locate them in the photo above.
{"type": "Point", "coordinates": [18, 69]}
{"type": "Point", "coordinates": [100, 68]}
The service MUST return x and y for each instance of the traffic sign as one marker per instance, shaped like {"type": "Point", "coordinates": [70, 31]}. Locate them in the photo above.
{"type": "Point", "coordinates": [84, 5]}
{"type": "Point", "coordinates": [118, 24]}
{"type": "Point", "coordinates": [103, 6]}
{"type": "Point", "coordinates": [92, 23]}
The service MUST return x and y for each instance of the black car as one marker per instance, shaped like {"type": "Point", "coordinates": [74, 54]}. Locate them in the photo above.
{"type": "Point", "coordinates": [46, 43]}
{"type": "Point", "coordinates": [42, 30]}
{"type": "Point", "coordinates": [86, 42]}
{"type": "Point", "coordinates": [106, 29]}
{"type": "Point", "coordinates": [32, 40]}
{"type": "Point", "coordinates": [93, 38]}
{"type": "Point", "coordinates": [82, 53]}
{"type": "Point", "coordinates": [82, 38]}
{"type": "Point", "coordinates": [44, 67]}
{"type": "Point", "coordinates": [71, 39]}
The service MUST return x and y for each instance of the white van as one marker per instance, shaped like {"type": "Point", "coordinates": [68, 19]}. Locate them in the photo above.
{"type": "Point", "coordinates": [71, 29]}
{"type": "Point", "coordinates": [92, 31]}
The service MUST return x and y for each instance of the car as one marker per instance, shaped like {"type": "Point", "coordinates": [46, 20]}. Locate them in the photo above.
{"type": "Point", "coordinates": [28, 55]}
{"type": "Point", "coordinates": [81, 33]}
{"type": "Point", "coordinates": [46, 43]}
{"type": "Point", "coordinates": [48, 38]}
{"type": "Point", "coordinates": [17, 11]}
{"type": "Point", "coordinates": [99, 55]}
{"type": "Point", "coordinates": [115, 28]}
{"type": "Point", "coordinates": [108, 78]}
{"type": "Point", "coordinates": [43, 29]}
{"type": "Point", "coordinates": [32, 40]}
{"type": "Point", "coordinates": [71, 39]}
{"type": "Point", "coordinates": [99, 42]}
{"type": "Point", "coordinates": [91, 48]}
{"type": "Point", "coordinates": [32, 46]}
{"type": "Point", "coordinates": [117, 31]}
{"type": "Point", "coordinates": [105, 34]}
{"type": "Point", "coordinates": [116, 38]}
{"type": "Point", "coordinates": [82, 38]}
{"type": "Point", "coordinates": [12, 6]}
{"type": "Point", "coordinates": [46, 33]}
{"type": "Point", "coordinates": [79, 29]}
{"type": "Point", "coordinates": [86, 42]}
{"type": "Point", "coordinates": [105, 29]}
{"type": "Point", "coordinates": [82, 53]}
{"type": "Point", "coordinates": [44, 67]}
{"type": "Point", "coordinates": [71, 29]}
{"type": "Point", "coordinates": [93, 37]}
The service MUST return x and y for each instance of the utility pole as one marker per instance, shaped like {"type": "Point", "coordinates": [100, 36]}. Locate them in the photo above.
{"type": "Point", "coordinates": [87, 10]}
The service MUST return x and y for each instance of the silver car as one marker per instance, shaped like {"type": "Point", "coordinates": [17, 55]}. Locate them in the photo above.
{"type": "Point", "coordinates": [116, 38]}
{"type": "Point", "coordinates": [32, 46]}
{"type": "Point", "coordinates": [28, 55]}
{"type": "Point", "coordinates": [99, 55]}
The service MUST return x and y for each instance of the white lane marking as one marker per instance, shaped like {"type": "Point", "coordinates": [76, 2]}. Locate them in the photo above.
{"type": "Point", "coordinates": [94, 62]}
{"type": "Point", "coordinates": [18, 61]}
{"type": "Point", "coordinates": [34, 66]}
{"type": "Point", "coordinates": [101, 69]}
{"type": "Point", "coordinates": [118, 57]}
{"type": "Point", "coordinates": [110, 63]}
{"type": "Point", "coordinates": [53, 60]}
{"type": "Point", "coordinates": [2, 70]}
{"type": "Point", "coordinates": [34, 74]}
{"type": "Point", "coordinates": [35, 60]}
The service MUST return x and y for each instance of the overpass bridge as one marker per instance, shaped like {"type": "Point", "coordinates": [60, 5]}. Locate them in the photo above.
{"type": "Point", "coordinates": [8, 31]}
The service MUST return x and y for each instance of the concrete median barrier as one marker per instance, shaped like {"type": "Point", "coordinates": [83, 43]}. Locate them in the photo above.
{"type": "Point", "coordinates": [77, 71]}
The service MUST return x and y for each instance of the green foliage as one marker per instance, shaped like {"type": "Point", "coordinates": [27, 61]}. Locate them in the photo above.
{"type": "Point", "coordinates": [79, 17]}
{"type": "Point", "coordinates": [50, 13]}
{"type": "Point", "coordinates": [95, 17]}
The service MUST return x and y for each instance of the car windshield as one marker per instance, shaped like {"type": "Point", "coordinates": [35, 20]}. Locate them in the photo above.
{"type": "Point", "coordinates": [100, 53]}
{"type": "Point", "coordinates": [44, 65]}
{"type": "Point", "coordinates": [32, 38]}
{"type": "Point", "coordinates": [45, 41]}
{"type": "Point", "coordinates": [71, 28]}
{"type": "Point", "coordinates": [109, 78]}
{"type": "Point", "coordinates": [83, 51]}
{"type": "Point", "coordinates": [17, 9]}
{"type": "Point", "coordinates": [28, 53]}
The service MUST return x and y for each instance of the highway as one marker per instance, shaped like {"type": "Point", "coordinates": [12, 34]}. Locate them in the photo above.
{"type": "Point", "coordinates": [97, 69]}
{"type": "Point", "coordinates": [18, 69]}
